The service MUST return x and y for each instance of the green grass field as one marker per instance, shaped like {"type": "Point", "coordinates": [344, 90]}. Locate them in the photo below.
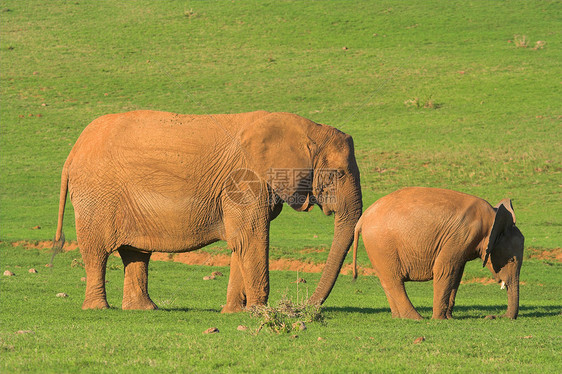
{"type": "Point", "coordinates": [460, 94]}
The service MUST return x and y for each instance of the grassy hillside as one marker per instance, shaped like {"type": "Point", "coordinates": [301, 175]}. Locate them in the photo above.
{"type": "Point", "coordinates": [433, 94]}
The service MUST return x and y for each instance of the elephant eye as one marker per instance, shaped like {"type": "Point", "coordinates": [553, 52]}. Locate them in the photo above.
{"type": "Point", "coordinates": [340, 173]}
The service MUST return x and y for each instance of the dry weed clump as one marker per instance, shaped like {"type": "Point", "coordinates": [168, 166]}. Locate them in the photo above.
{"type": "Point", "coordinates": [287, 316]}
{"type": "Point", "coordinates": [522, 41]}
{"type": "Point", "coordinates": [418, 103]}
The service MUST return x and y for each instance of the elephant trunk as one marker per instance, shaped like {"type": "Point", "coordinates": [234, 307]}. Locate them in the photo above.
{"type": "Point", "coordinates": [344, 226]}
{"type": "Point", "coordinates": [512, 299]}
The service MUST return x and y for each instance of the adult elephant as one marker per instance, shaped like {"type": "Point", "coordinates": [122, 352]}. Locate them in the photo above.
{"type": "Point", "coordinates": [147, 181]}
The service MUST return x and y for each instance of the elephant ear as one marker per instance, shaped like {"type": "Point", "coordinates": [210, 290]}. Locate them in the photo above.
{"type": "Point", "coordinates": [278, 150]}
{"type": "Point", "coordinates": [503, 220]}
{"type": "Point", "coordinates": [507, 204]}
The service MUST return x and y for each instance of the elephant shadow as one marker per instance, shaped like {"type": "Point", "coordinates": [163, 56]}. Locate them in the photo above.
{"type": "Point", "coordinates": [476, 311]}
{"type": "Point", "coordinates": [468, 311]}
{"type": "Point", "coordinates": [185, 309]}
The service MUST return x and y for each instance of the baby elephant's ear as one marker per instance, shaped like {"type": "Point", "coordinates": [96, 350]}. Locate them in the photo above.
{"type": "Point", "coordinates": [503, 220]}
{"type": "Point", "coordinates": [507, 204]}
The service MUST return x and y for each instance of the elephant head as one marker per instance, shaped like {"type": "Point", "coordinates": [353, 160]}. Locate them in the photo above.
{"type": "Point", "coordinates": [308, 164]}
{"type": "Point", "coordinates": [505, 251]}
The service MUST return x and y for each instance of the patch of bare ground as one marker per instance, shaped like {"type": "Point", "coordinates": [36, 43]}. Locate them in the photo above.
{"type": "Point", "coordinates": [208, 259]}
{"type": "Point", "coordinates": [45, 244]}
{"type": "Point", "coordinates": [545, 254]}
{"type": "Point", "coordinates": [485, 281]}
{"type": "Point", "coordinates": [482, 280]}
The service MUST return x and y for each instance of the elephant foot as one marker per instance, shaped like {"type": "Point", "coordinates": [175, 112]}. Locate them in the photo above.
{"type": "Point", "coordinates": [95, 304]}
{"type": "Point", "coordinates": [411, 314]}
{"type": "Point", "coordinates": [138, 304]}
{"type": "Point", "coordinates": [235, 308]}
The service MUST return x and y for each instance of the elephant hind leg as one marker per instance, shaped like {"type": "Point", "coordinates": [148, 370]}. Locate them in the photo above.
{"type": "Point", "coordinates": [135, 288]}
{"type": "Point", "coordinates": [95, 263]}
{"type": "Point", "coordinates": [396, 294]}
{"type": "Point", "coordinates": [393, 307]}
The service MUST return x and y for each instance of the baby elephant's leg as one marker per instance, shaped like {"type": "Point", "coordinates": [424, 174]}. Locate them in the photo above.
{"type": "Point", "coordinates": [456, 284]}
{"type": "Point", "coordinates": [396, 294]}
{"type": "Point", "coordinates": [446, 280]}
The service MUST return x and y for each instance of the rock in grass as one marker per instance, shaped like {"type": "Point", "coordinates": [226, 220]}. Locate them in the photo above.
{"type": "Point", "coordinates": [8, 273]}
{"type": "Point", "coordinates": [62, 294]}
{"type": "Point", "coordinates": [242, 328]}
{"type": "Point", "coordinates": [490, 317]}
{"type": "Point", "coordinates": [419, 340]}
{"type": "Point", "coordinates": [216, 274]}
{"type": "Point", "coordinates": [24, 332]}
{"type": "Point", "coordinates": [83, 279]}
{"type": "Point", "coordinates": [208, 277]}
{"type": "Point", "coordinates": [211, 330]}
{"type": "Point", "coordinates": [33, 271]}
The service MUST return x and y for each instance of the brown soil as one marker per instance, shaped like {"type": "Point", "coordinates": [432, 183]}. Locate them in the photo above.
{"type": "Point", "coordinates": [483, 280]}
{"type": "Point", "coordinates": [205, 258]}
{"type": "Point", "coordinates": [46, 244]}
{"type": "Point", "coordinates": [546, 254]}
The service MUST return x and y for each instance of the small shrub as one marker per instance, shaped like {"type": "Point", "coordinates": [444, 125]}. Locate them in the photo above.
{"type": "Point", "coordinates": [284, 317]}
{"type": "Point", "coordinates": [521, 41]}
{"type": "Point", "coordinates": [190, 14]}
{"type": "Point", "coordinates": [417, 103]}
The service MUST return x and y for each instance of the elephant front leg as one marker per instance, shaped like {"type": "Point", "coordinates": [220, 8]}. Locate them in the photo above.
{"type": "Point", "coordinates": [456, 284]}
{"type": "Point", "coordinates": [135, 288]}
{"type": "Point", "coordinates": [254, 268]}
{"type": "Point", "coordinates": [235, 295]}
{"type": "Point", "coordinates": [445, 284]}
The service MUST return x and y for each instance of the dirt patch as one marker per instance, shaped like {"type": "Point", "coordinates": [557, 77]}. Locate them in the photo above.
{"type": "Point", "coordinates": [203, 258]}
{"type": "Point", "coordinates": [545, 254]}
{"type": "Point", "coordinates": [208, 259]}
{"type": "Point", "coordinates": [46, 244]}
{"type": "Point", "coordinates": [485, 281]}
{"type": "Point", "coordinates": [482, 280]}
{"type": "Point", "coordinates": [312, 250]}
{"type": "Point", "coordinates": [193, 258]}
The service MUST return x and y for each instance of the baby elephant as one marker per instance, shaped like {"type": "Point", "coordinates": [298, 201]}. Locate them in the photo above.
{"type": "Point", "coordinates": [419, 234]}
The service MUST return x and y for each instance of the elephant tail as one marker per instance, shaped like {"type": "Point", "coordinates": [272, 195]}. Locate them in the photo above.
{"type": "Point", "coordinates": [355, 245]}
{"type": "Point", "coordinates": [58, 241]}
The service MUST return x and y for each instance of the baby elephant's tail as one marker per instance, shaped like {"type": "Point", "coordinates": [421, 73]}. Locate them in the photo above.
{"type": "Point", "coordinates": [355, 244]}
